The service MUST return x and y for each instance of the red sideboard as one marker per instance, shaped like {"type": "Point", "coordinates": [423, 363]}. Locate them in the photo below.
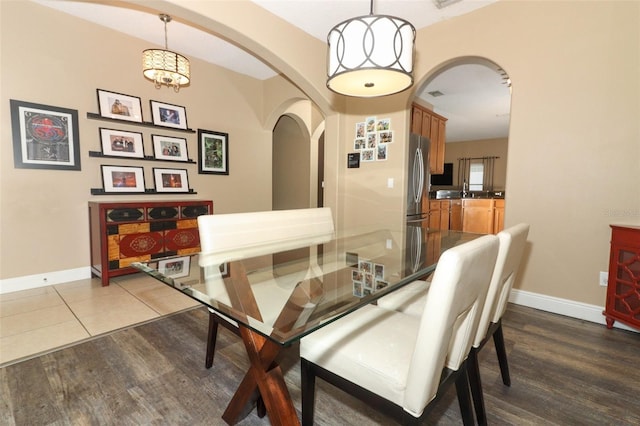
{"type": "Point", "coordinates": [623, 288]}
{"type": "Point", "coordinates": [123, 233]}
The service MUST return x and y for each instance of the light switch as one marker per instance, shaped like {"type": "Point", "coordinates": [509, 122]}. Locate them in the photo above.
{"type": "Point", "coordinates": [390, 183]}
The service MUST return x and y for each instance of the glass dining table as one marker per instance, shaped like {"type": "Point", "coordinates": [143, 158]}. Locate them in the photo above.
{"type": "Point", "coordinates": [277, 294]}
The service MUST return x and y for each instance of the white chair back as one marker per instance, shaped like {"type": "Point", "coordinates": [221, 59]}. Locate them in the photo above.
{"type": "Point", "coordinates": [450, 318]}
{"type": "Point", "coordinates": [242, 235]}
{"type": "Point", "coordinates": [512, 243]}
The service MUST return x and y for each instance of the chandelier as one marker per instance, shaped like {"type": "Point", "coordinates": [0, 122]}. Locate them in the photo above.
{"type": "Point", "coordinates": [370, 56]}
{"type": "Point", "coordinates": [163, 66]}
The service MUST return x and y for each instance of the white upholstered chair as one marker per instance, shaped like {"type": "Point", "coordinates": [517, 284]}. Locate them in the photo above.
{"type": "Point", "coordinates": [397, 362]}
{"type": "Point", "coordinates": [243, 235]}
{"type": "Point", "coordinates": [512, 244]}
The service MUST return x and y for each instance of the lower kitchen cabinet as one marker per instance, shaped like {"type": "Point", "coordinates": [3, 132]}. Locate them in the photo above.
{"type": "Point", "coordinates": [498, 216]}
{"type": "Point", "coordinates": [477, 216]}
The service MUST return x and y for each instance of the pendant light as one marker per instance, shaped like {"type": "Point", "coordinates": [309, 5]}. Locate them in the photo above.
{"type": "Point", "coordinates": [370, 56]}
{"type": "Point", "coordinates": [163, 66]}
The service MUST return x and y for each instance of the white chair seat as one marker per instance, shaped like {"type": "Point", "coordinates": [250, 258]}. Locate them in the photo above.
{"type": "Point", "coordinates": [357, 338]}
{"type": "Point", "coordinates": [410, 299]}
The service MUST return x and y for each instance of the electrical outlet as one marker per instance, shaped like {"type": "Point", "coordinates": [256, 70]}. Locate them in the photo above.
{"type": "Point", "coordinates": [604, 278]}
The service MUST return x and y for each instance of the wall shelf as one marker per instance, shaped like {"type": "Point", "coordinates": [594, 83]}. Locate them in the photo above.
{"type": "Point", "coordinates": [148, 191]}
{"type": "Point", "coordinates": [99, 154]}
{"type": "Point", "coordinates": [94, 116]}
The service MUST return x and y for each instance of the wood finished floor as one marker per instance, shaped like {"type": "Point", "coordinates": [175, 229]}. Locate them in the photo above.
{"type": "Point", "coordinates": [564, 372]}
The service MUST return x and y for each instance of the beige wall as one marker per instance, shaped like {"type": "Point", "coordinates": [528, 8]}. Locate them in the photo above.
{"type": "Point", "coordinates": [290, 164]}
{"type": "Point", "coordinates": [574, 143]}
{"type": "Point", "coordinates": [480, 148]}
{"type": "Point", "coordinates": [44, 221]}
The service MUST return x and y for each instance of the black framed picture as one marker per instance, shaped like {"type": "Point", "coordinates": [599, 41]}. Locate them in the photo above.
{"type": "Point", "coordinates": [119, 106]}
{"type": "Point", "coordinates": [169, 148]}
{"type": "Point", "coordinates": [44, 136]}
{"type": "Point", "coordinates": [120, 143]}
{"type": "Point", "coordinates": [213, 152]}
{"type": "Point", "coordinates": [171, 180]}
{"type": "Point", "coordinates": [168, 115]}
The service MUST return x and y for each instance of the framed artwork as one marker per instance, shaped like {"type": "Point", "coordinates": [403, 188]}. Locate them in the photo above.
{"type": "Point", "coordinates": [44, 136]}
{"type": "Point", "coordinates": [372, 140]}
{"type": "Point", "coordinates": [122, 179]}
{"type": "Point", "coordinates": [119, 106]}
{"type": "Point", "coordinates": [121, 143]}
{"type": "Point", "coordinates": [171, 180]}
{"type": "Point", "coordinates": [169, 148]}
{"type": "Point", "coordinates": [175, 268]}
{"type": "Point", "coordinates": [213, 152]}
{"type": "Point", "coordinates": [353, 160]}
{"type": "Point", "coordinates": [169, 115]}
{"type": "Point", "coordinates": [360, 130]}
{"type": "Point", "coordinates": [359, 143]}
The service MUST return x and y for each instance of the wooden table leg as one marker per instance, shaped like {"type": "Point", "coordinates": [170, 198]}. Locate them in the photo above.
{"type": "Point", "coordinates": [268, 378]}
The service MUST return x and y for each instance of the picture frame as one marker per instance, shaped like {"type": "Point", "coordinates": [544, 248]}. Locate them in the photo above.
{"type": "Point", "coordinates": [169, 115]}
{"type": "Point", "coordinates": [176, 267]}
{"type": "Point", "coordinates": [170, 180]}
{"type": "Point", "coordinates": [170, 148]}
{"type": "Point", "coordinates": [120, 143]}
{"type": "Point", "coordinates": [213, 152]}
{"type": "Point", "coordinates": [119, 106]}
{"type": "Point", "coordinates": [122, 179]}
{"type": "Point", "coordinates": [44, 136]}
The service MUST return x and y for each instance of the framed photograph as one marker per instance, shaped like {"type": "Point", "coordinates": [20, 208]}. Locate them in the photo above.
{"type": "Point", "coordinates": [45, 137]}
{"type": "Point", "coordinates": [121, 143]}
{"type": "Point", "coordinates": [169, 115]}
{"type": "Point", "coordinates": [385, 136]}
{"type": "Point", "coordinates": [370, 124]}
{"type": "Point", "coordinates": [368, 155]}
{"type": "Point", "coordinates": [381, 152]}
{"type": "Point", "coordinates": [360, 129]}
{"type": "Point", "coordinates": [353, 160]}
{"type": "Point", "coordinates": [383, 124]}
{"type": "Point", "coordinates": [175, 268]}
{"type": "Point", "coordinates": [359, 143]}
{"type": "Point", "coordinates": [169, 148]}
{"type": "Point", "coordinates": [372, 140]}
{"type": "Point", "coordinates": [171, 180]}
{"type": "Point", "coordinates": [122, 179]}
{"type": "Point", "coordinates": [119, 106]}
{"type": "Point", "coordinates": [213, 152]}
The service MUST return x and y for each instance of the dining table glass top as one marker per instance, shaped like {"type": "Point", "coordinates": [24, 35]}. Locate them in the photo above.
{"type": "Point", "coordinates": [285, 291]}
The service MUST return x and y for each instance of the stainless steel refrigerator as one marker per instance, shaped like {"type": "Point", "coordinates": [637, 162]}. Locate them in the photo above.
{"type": "Point", "coordinates": [418, 179]}
{"type": "Point", "coordinates": [417, 202]}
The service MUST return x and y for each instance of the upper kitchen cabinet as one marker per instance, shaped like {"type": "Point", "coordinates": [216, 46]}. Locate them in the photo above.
{"type": "Point", "coordinates": [432, 126]}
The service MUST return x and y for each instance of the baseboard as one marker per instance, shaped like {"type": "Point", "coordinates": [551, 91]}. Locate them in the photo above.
{"type": "Point", "coordinates": [42, 280]}
{"type": "Point", "coordinates": [569, 308]}
{"type": "Point", "coordinates": [556, 305]}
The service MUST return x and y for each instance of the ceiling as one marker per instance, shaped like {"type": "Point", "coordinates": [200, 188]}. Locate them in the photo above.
{"type": "Point", "coordinates": [474, 97]}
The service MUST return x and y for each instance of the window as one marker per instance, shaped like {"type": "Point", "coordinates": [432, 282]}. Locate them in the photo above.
{"type": "Point", "coordinates": [476, 175]}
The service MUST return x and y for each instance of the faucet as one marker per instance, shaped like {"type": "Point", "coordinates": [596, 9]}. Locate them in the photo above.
{"type": "Point", "coordinates": [464, 188]}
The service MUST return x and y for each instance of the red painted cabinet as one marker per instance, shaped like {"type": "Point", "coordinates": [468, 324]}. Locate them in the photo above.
{"type": "Point", "coordinates": [123, 233]}
{"type": "Point", "coordinates": [623, 289]}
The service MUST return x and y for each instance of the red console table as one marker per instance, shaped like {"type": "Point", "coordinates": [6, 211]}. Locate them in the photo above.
{"type": "Point", "coordinates": [122, 233]}
{"type": "Point", "coordinates": [623, 289]}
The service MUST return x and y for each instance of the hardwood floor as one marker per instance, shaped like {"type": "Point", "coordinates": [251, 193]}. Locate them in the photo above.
{"type": "Point", "coordinates": [563, 371]}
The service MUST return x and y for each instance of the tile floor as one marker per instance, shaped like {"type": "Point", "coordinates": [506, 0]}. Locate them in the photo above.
{"type": "Point", "coordinates": [33, 322]}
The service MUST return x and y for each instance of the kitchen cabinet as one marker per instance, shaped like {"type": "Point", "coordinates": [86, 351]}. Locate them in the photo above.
{"type": "Point", "coordinates": [477, 215]}
{"type": "Point", "coordinates": [498, 216]}
{"type": "Point", "coordinates": [623, 288]}
{"type": "Point", "coordinates": [123, 233]}
{"type": "Point", "coordinates": [439, 214]}
{"type": "Point", "coordinates": [432, 126]}
{"type": "Point", "coordinates": [455, 215]}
